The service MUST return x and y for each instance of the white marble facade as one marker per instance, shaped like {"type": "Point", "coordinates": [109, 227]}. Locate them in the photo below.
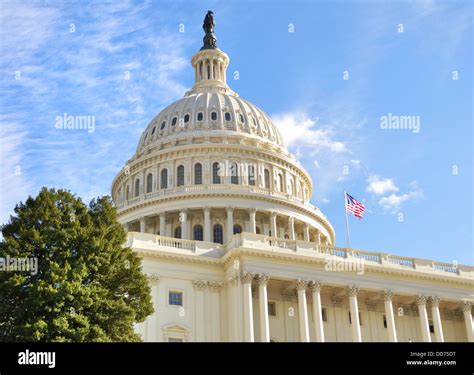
{"type": "Point", "coordinates": [219, 211]}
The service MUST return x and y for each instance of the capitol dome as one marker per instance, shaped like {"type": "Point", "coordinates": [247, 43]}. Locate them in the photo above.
{"type": "Point", "coordinates": [212, 165]}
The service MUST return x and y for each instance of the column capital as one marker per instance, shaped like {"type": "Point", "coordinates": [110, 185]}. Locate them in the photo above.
{"type": "Point", "coordinates": [215, 286]}
{"type": "Point", "coordinates": [142, 218]}
{"type": "Point", "coordinates": [434, 301]}
{"type": "Point", "coordinates": [262, 279]}
{"type": "Point", "coordinates": [387, 295]}
{"type": "Point", "coordinates": [315, 286]}
{"type": "Point", "coordinates": [206, 208]}
{"type": "Point", "coordinates": [273, 214]}
{"type": "Point", "coordinates": [421, 300]}
{"type": "Point", "coordinates": [162, 214]}
{"type": "Point", "coordinates": [287, 295]}
{"type": "Point", "coordinates": [152, 278]}
{"type": "Point", "coordinates": [352, 290]}
{"type": "Point", "coordinates": [291, 219]}
{"type": "Point", "coordinates": [466, 305]}
{"type": "Point", "coordinates": [229, 209]}
{"type": "Point", "coordinates": [301, 284]}
{"type": "Point", "coordinates": [371, 305]}
{"type": "Point", "coordinates": [247, 277]}
{"type": "Point", "coordinates": [184, 210]}
{"type": "Point", "coordinates": [252, 210]}
{"type": "Point", "coordinates": [199, 284]}
{"type": "Point", "coordinates": [233, 280]}
{"type": "Point", "coordinates": [336, 301]}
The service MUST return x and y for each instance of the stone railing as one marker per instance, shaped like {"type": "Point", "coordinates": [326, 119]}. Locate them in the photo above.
{"type": "Point", "coordinates": [262, 242]}
{"type": "Point", "coordinates": [148, 241]}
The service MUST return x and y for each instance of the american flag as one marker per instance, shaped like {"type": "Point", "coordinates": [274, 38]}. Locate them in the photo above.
{"type": "Point", "coordinates": [354, 206]}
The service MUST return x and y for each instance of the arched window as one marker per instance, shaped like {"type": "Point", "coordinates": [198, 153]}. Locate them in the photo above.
{"type": "Point", "coordinates": [227, 116]}
{"type": "Point", "coordinates": [162, 125]}
{"type": "Point", "coordinates": [234, 174]}
{"type": "Point", "coordinates": [149, 183]}
{"type": "Point", "coordinates": [137, 187]}
{"type": "Point", "coordinates": [177, 232]}
{"type": "Point", "coordinates": [216, 175]}
{"type": "Point", "coordinates": [180, 176]}
{"type": "Point", "coordinates": [198, 173]}
{"type": "Point", "coordinates": [280, 180]}
{"type": "Point", "coordinates": [218, 234]}
{"type": "Point", "coordinates": [267, 178]}
{"type": "Point", "coordinates": [287, 237]}
{"type": "Point", "coordinates": [164, 179]}
{"type": "Point", "coordinates": [200, 116]}
{"type": "Point", "coordinates": [186, 118]}
{"type": "Point", "coordinates": [237, 229]}
{"type": "Point", "coordinates": [258, 230]}
{"type": "Point", "coordinates": [251, 175]}
{"type": "Point", "coordinates": [198, 233]}
{"type": "Point", "coordinates": [174, 121]}
{"type": "Point", "coordinates": [213, 116]}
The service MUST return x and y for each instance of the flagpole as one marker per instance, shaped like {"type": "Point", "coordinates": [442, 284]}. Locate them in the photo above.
{"type": "Point", "coordinates": [347, 221]}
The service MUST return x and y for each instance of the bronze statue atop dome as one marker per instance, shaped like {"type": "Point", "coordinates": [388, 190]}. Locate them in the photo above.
{"type": "Point", "coordinates": [208, 27]}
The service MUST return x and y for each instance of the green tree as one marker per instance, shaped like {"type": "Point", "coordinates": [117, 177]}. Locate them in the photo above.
{"type": "Point", "coordinates": [88, 285]}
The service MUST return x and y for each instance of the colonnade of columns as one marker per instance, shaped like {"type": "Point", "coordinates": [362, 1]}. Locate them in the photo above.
{"type": "Point", "coordinates": [351, 292]}
{"type": "Point", "coordinates": [289, 223]}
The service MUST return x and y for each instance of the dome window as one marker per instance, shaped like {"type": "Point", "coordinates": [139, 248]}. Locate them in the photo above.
{"type": "Point", "coordinates": [254, 121]}
{"type": "Point", "coordinates": [213, 116]}
{"type": "Point", "coordinates": [241, 118]}
{"type": "Point", "coordinates": [144, 139]}
{"type": "Point", "coordinates": [186, 118]}
{"type": "Point", "coordinates": [162, 125]}
{"type": "Point", "coordinates": [200, 116]}
{"type": "Point", "coordinates": [227, 116]}
{"type": "Point", "coordinates": [174, 121]}
{"type": "Point", "coordinates": [153, 131]}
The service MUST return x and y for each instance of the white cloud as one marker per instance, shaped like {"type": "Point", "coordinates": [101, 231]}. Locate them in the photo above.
{"type": "Point", "coordinates": [380, 186]}
{"type": "Point", "coordinates": [299, 129]}
{"type": "Point", "coordinates": [393, 203]}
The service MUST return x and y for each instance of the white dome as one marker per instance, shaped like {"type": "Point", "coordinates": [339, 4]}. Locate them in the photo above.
{"type": "Point", "coordinates": [213, 112]}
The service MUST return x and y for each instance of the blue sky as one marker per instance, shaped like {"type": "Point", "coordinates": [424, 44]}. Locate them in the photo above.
{"type": "Point", "coordinates": [417, 187]}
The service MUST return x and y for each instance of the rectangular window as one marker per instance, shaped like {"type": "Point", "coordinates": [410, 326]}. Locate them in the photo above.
{"type": "Point", "coordinates": [384, 321]}
{"type": "Point", "coordinates": [360, 318]}
{"type": "Point", "coordinates": [175, 298]}
{"type": "Point", "coordinates": [324, 314]}
{"type": "Point", "coordinates": [431, 326]}
{"type": "Point", "coordinates": [272, 309]}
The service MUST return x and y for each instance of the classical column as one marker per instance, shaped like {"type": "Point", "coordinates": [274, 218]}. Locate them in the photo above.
{"type": "Point", "coordinates": [354, 308]}
{"type": "Point", "coordinates": [183, 218]}
{"type": "Point", "coordinates": [425, 326]}
{"type": "Point", "coordinates": [230, 223]}
{"type": "Point", "coordinates": [262, 281]}
{"type": "Point", "coordinates": [215, 287]}
{"type": "Point", "coordinates": [248, 310]}
{"type": "Point", "coordinates": [466, 309]}
{"type": "Point", "coordinates": [303, 310]}
{"type": "Point", "coordinates": [207, 224]}
{"type": "Point", "coordinates": [392, 330]}
{"type": "Point", "coordinates": [306, 232]}
{"type": "Point", "coordinates": [318, 240]}
{"type": "Point", "coordinates": [291, 226]}
{"type": "Point", "coordinates": [162, 224]}
{"type": "Point", "coordinates": [253, 225]}
{"type": "Point", "coordinates": [152, 326]}
{"type": "Point", "coordinates": [315, 288]}
{"type": "Point", "coordinates": [234, 309]}
{"type": "Point", "coordinates": [438, 328]}
{"type": "Point", "coordinates": [199, 286]}
{"type": "Point", "coordinates": [142, 224]}
{"type": "Point", "coordinates": [273, 224]}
